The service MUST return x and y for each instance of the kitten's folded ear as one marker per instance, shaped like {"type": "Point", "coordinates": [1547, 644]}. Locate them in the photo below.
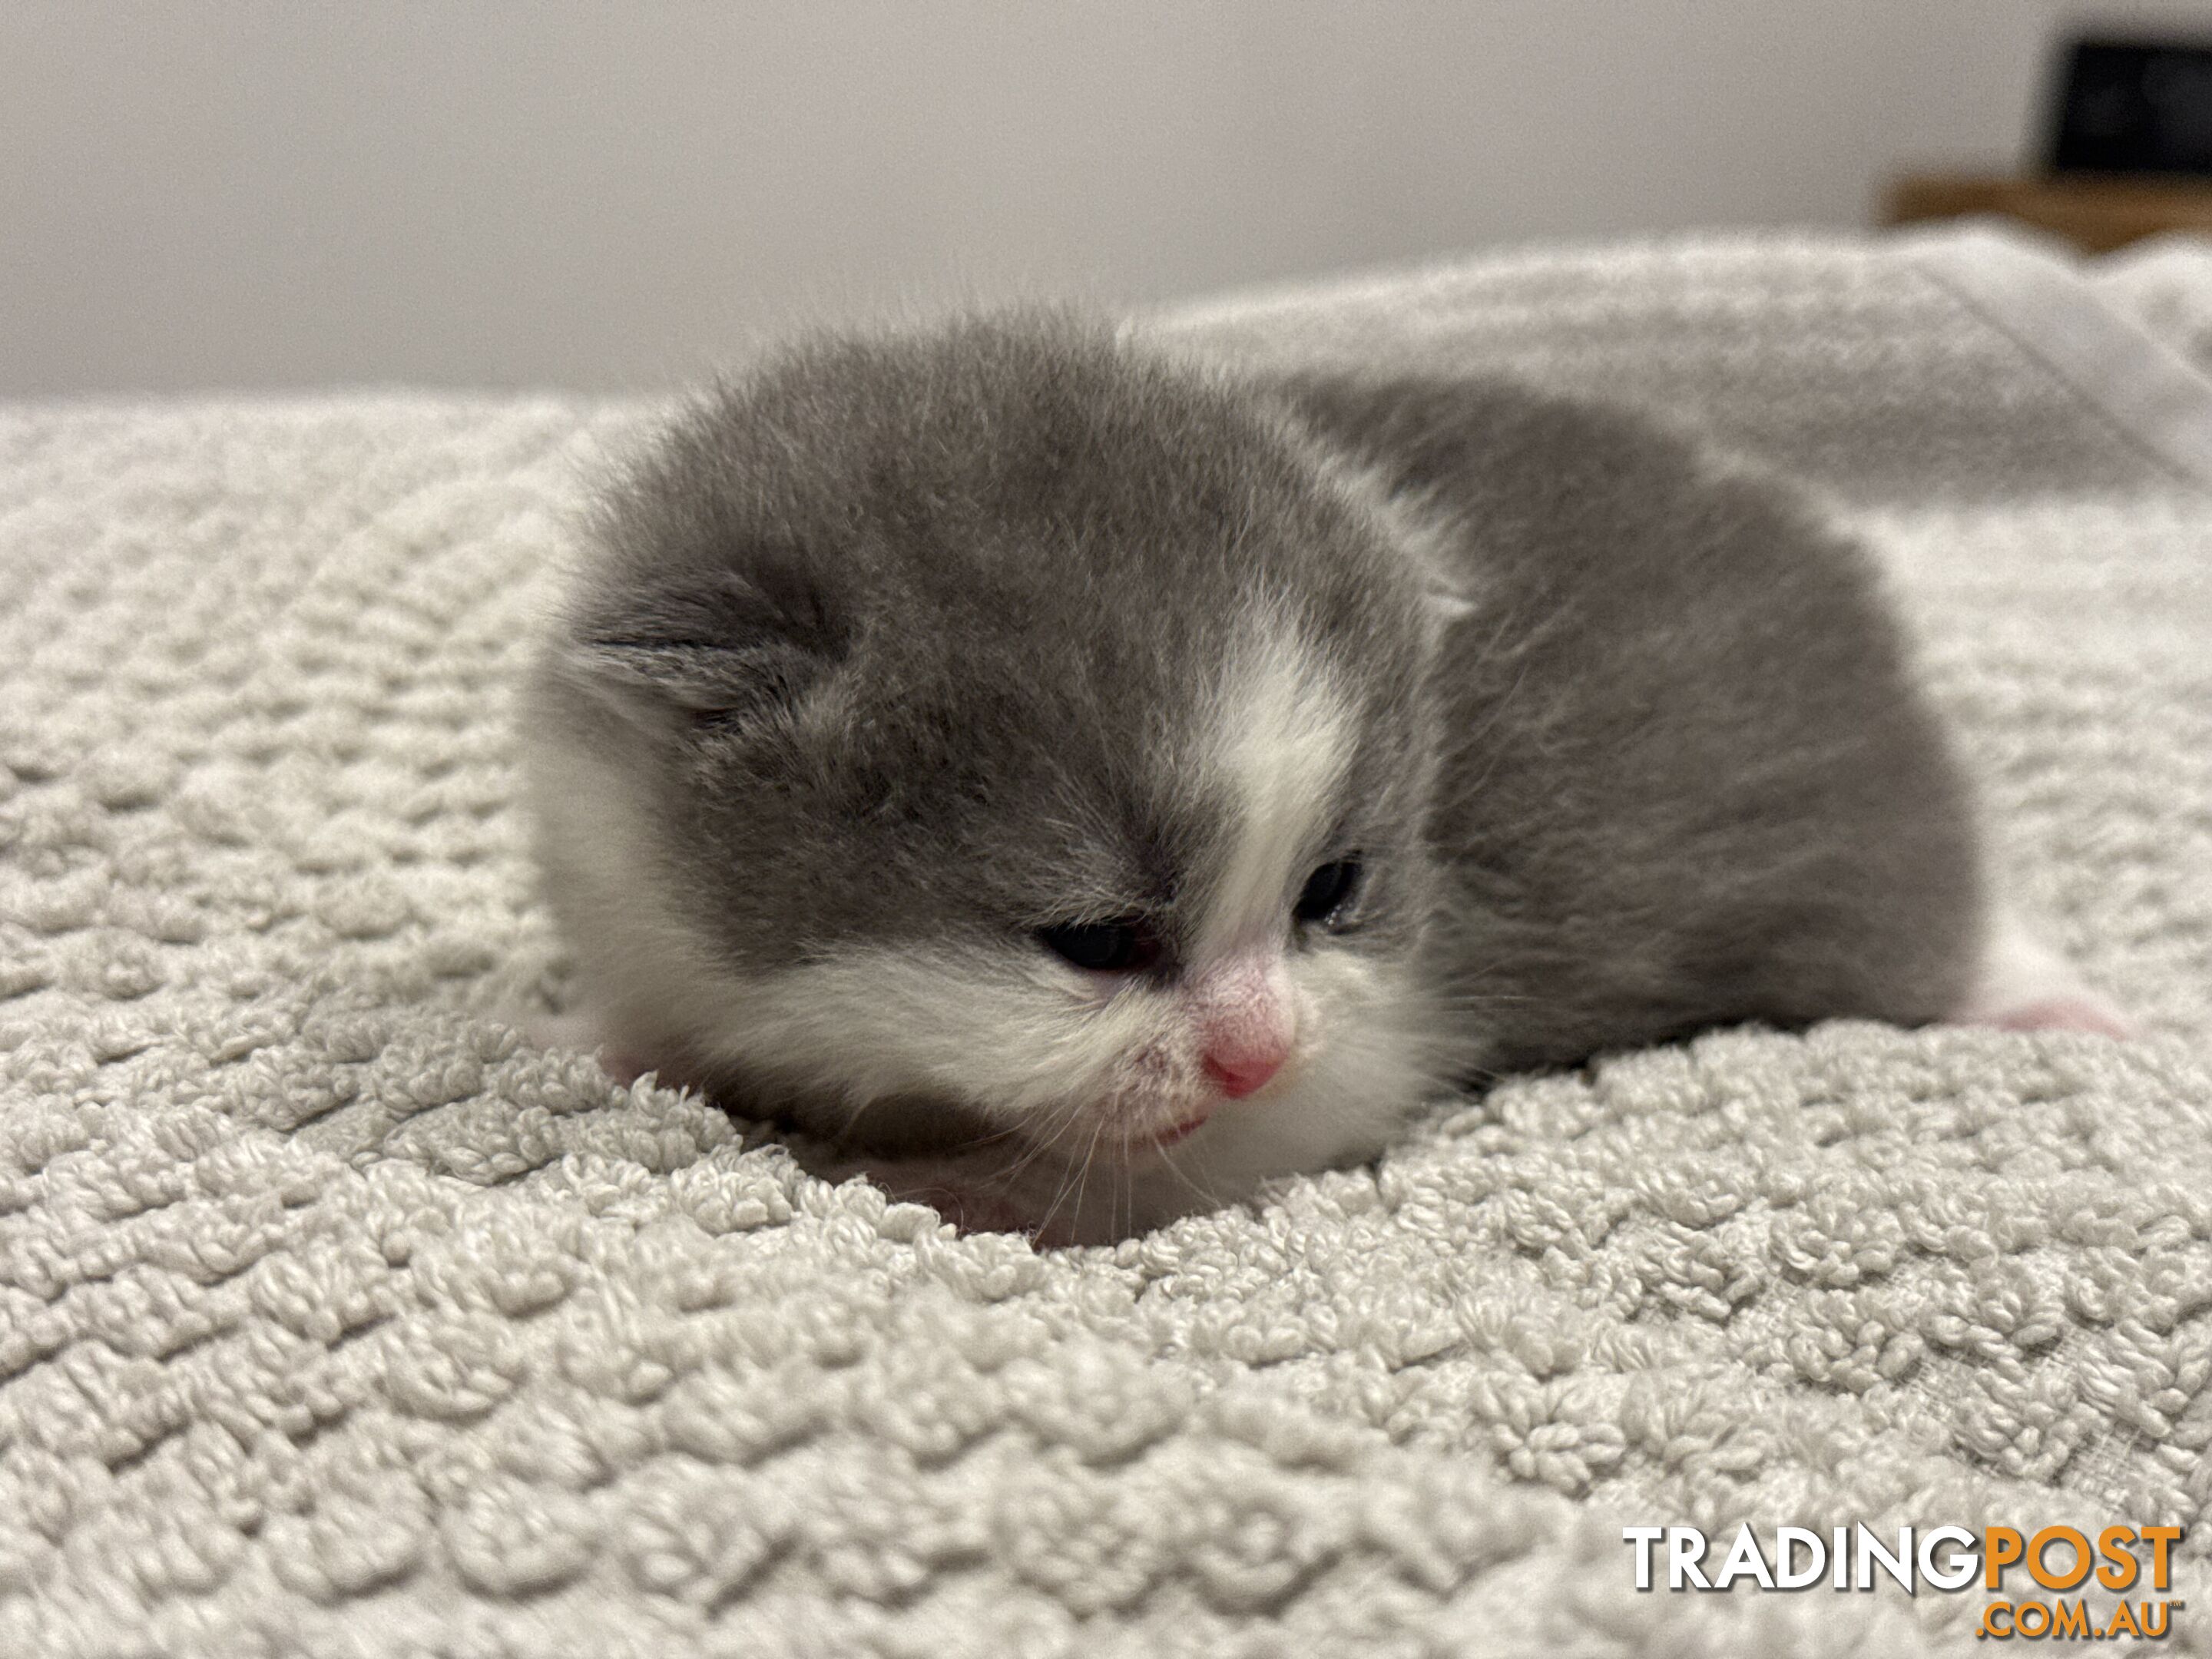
{"type": "Point", "coordinates": [735, 643]}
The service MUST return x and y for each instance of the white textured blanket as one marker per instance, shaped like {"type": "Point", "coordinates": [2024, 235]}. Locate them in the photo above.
{"type": "Point", "coordinates": [335, 1320]}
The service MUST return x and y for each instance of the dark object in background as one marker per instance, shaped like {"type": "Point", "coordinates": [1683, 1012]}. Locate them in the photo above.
{"type": "Point", "coordinates": [2135, 107]}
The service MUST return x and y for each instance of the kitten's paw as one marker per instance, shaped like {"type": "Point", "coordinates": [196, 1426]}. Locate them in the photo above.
{"type": "Point", "coordinates": [2024, 985]}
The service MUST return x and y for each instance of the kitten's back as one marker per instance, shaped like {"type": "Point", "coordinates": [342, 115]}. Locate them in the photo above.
{"type": "Point", "coordinates": [1688, 778]}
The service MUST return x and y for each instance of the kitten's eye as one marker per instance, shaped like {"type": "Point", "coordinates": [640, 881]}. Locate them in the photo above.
{"type": "Point", "coordinates": [1328, 893]}
{"type": "Point", "coordinates": [1104, 947]}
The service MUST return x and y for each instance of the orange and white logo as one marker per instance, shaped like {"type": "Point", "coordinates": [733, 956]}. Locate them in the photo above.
{"type": "Point", "coordinates": [2056, 1559]}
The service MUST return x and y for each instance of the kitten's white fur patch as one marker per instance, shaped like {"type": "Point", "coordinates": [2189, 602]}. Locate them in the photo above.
{"type": "Point", "coordinates": [1002, 1033]}
{"type": "Point", "coordinates": [646, 973]}
{"type": "Point", "coordinates": [1281, 742]}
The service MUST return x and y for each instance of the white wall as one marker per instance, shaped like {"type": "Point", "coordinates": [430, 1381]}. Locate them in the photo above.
{"type": "Point", "coordinates": [296, 193]}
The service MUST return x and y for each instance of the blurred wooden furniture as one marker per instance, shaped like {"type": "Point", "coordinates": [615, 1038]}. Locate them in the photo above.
{"type": "Point", "coordinates": [2096, 212]}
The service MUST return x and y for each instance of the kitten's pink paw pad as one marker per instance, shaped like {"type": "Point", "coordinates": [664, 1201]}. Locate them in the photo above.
{"type": "Point", "coordinates": [2065, 1013]}
{"type": "Point", "coordinates": [2025, 986]}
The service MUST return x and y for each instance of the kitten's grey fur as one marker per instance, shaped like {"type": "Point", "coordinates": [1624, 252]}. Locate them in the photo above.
{"type": "Point", "coordinates": [902, 648]}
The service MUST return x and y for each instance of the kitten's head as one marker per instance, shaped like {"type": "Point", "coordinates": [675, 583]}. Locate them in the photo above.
{"type": "Point", "coordinates": [1002, 731]}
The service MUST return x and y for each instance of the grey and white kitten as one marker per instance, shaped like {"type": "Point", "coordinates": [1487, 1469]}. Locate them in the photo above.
{"type": "Point", "coordinates": [1091, 783]}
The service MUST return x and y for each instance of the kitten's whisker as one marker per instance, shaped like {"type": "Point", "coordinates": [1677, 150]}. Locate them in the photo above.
{"type": "Point", "coordinates": [1082, 1185]}
{"type": "Point", "coordinates": [1041, 1144]}
{"type": "Point", "coordinates": [1204, 1194]}
{"type": "Point", "coordinates": [978, 1142]}
{"type": "Point", "coordinates": [857, 1114]}
{"type": "Point", "coordinates": [1073, 1176]}
{"type": "Point", "coordinates": [1463, 1001]}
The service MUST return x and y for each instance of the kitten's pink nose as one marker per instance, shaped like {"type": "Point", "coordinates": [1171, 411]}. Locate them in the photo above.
{"type": "Point", "coordinates": [1246, 1069]}
{"type": "Point", "coordinates": [1237, 1074]}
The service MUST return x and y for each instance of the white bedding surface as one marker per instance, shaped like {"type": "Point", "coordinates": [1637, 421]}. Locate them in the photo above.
{"type": "Point", "coordinates": [334, 1320]}
{"type": "Point", "coordinates": [2163, 284]}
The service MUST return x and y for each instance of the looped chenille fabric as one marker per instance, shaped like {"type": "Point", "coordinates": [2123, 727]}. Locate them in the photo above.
{"type": "Point", "coordinates": [336, 1320]}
